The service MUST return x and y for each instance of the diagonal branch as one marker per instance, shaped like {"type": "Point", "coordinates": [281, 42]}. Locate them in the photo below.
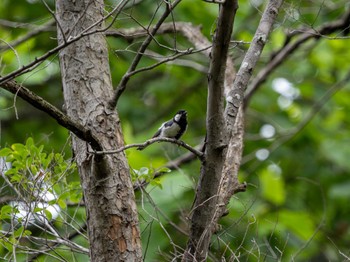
{"type": "Point", "coordinates": [44, 106]}
{"type": "Point", "coordinates": [235, 86]}
{"type": "Point", "coordinates": [188, 30]}
{"type": "Point", "coordinates": [172, 165]}
{"type": "Point", "coordinates": [164, 60]}
{"type": "Point", "coordinates": [290, 46]}
{"type": "Point", "coordinates": [125, 79]}
{"type": "Point", "coordinates": [236, 95]}
{"type": "Point", "coordinates": [86, 32]}
{"type": "Point", "coordinates": [33, 32]}
{"type": "Point", "coordinates": [234, 109]}
{"type": "Point", "coordinates": [141, 146]}
{"type": "Point", "coordinates": [55, 244]}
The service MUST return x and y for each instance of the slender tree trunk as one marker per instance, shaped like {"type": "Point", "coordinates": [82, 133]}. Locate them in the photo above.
{"type": "Point", "coordinates": [110, 203]}
{"type": "Point", "coordinates": [203, 223]}
{"type": "Point", "coordinates": [218, 178]}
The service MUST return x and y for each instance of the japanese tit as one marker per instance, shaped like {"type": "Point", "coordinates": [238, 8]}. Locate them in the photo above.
{"type": "Point", "coordinates": [175, 127]}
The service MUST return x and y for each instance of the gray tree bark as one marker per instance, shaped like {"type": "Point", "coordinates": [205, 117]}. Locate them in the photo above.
{"type": "Point", "coordinates": [218, 179]}
{"type": "Point", "coordinates": [205, 205]}
{"type": "Point", "coordinates": [112, 217]}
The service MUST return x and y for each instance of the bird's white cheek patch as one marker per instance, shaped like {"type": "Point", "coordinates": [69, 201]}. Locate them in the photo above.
{"type": "Point", "coordinates": [177, 117]}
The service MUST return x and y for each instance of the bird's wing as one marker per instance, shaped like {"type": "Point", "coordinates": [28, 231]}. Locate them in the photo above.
{"type": "Point", "coordinates": [167, 124]}
{"type": "Point", "coordinates": [158, 131]}
{"type": "Point", "coordinates": [163, 129]}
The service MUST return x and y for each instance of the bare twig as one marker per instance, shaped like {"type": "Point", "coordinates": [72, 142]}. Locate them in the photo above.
{"type": "Point", "coordinates": [215, 1]}
{"type": "Point", "coordinates": [141, 146]}
{"type": "Point", "coordinates": [51, 110]}
{"type": "Point", "coordinates": [162, 61]}
{"type": "Point", "coordinates": [156, 217]}
{"type": "Point", "coordinates": [236, 95]}
{"type": "Point", "coordinates": [188, 30]}
{"type": "Point", "coordinates": [33, 32]}
{"type": "Point", "coordinates": [346, 257]}
{"type": "Point", "coordinates": [172, 165]}
{"type": "Point", "coordinates": [7, 198]}
{"type": "Point", "coordinates": [290, 46]}
{"type": "Point", "coordinates": [12, 24]}
{"type": "Point", "coordinates": [125, 79]}
{"type": "Point", "coordinates": [55, 18]}
{"type": "Point", "coordinates": [35, 63]}
{"type": "Point", "coordinates": [56, 244]}
{"type": "Point", "coordinates": [86, 32]}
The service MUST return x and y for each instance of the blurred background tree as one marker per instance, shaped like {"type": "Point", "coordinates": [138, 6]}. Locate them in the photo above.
{"type": "Point", "coordinates": [296, 147]}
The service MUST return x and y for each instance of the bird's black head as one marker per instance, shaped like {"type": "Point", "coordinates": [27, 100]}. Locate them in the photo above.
{"type": "Point", "coordinates": [180, 115]}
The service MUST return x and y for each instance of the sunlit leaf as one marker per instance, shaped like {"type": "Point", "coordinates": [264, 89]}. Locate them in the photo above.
{"type": "Point", "coordinates": [300, 223]}
{"type": "Point", "coordinates": [272, 186]}
{"type": "Point", "coordinates": [18, 232]}
{"type": "Point", "coordinates": [48, 214]}
{"type": "Point", "coordinates": [5, 152]}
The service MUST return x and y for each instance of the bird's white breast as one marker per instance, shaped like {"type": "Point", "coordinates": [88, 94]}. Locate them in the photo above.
{"type": "Point", "coordinates": [170, 131]}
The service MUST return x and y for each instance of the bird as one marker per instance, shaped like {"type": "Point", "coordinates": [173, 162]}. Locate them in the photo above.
{"type": "Point", "coordinates": [175, 127]}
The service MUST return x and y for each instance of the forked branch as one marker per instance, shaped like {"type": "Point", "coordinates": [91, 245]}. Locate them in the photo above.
{"type": "Point", "coordinates": [300, 38]}
{"type": "Point", "coordinates": [44, 106]}
{"type": "Point", "coordinates": [125, 79]}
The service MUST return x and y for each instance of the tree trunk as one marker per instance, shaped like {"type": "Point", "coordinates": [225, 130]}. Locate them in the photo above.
{"type": "Point", "coordinates": [112, 217]}
{"type": "Point", "coordinates": [205, 206]}
{"type": "Point", "coordinates": [224, 143]}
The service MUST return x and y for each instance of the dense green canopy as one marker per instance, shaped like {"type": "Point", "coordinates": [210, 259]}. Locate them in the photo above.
{"type": "Point", "coordinates": [297, 142]}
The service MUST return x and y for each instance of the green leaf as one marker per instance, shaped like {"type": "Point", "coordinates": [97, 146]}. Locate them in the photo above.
{"type": "Point", "coordinates": [6, 209]}
{"type": "Point", "coordinates": [18, 147]}
{"type": "Point", "coordinates": [38, 209]}
{"type": "Point", "coordinates": [15, 176]}
{"type": "Point", "coordinates": [10, 171]}
{"type": "Point", "coordinates": [272, 185]}
{"type": "Point", "coordinates": [45, 162]}
{"type": "Point", "coordinates": [41, 148]}
{"type": "Point", "coordinates": [29, 142]}
{"type": "Point", "coordinates": [299, 222]}
{"type": "Point", "coordinates": [8, 246]}
{"type": "Point", "coordinates": [33, 169]}
{"type": "Point", "coordinates": [61, 203]}
{"type": "Point", "coordinates": [48, 214]}
{"type": "Point", "coordinates": [18, 232]}
{"type": "Point", "coordinates": [27, 233]}
{"type": "Point", "coordinates": [5, 152]}
{"type": "Point", "coordinates": [6, 212]}
{"type": "Point", "coordinates": [156, 182]}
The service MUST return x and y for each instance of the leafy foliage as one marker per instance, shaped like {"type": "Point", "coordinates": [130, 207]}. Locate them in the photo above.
{"type": "Point", "coordinates": [39, 187]}
{"type": "Point", "coordinates": [296, 205]}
